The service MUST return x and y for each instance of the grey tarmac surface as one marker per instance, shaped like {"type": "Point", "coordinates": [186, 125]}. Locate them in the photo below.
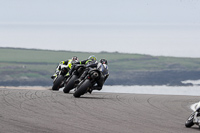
{"type": "Point", "coordinates": [46, 111]}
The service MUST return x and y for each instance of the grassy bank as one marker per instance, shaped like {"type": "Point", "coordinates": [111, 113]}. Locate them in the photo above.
{"type": "Point", "coordinates": [25, 64]}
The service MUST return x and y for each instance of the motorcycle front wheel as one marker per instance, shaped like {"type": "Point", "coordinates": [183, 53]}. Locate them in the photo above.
{"type": "Point", "coordinates": [82, 89]}
{"type": "Point", "coordinates": [57, 83]}
{"type": "Point", "coordinates": [189, 121]}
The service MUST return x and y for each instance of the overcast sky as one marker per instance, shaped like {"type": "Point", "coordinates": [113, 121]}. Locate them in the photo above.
{"type": "Point", "coordinates": [181, 38]}
{"type": "Point", "coordinates": [101, 11]}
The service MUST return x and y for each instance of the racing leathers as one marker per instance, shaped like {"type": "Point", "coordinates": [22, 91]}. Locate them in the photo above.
{"type": "Point", "coordinates": [68, 63]}
{"type": "Point", "coordinates": [104, 74]}
{"type": "Point", "coordinates": [89, 63]}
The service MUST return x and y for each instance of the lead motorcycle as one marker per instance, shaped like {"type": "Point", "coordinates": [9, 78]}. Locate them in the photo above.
{"type": "Point", "coordinates": [194, 118]}
{"type": "Point", "coordinates": [58, 81]}
{"type": "Point", "coordinates": [96, 75]}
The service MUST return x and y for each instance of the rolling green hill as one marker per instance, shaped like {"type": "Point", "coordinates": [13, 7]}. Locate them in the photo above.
{"type": "Point", "coordinates": [34, 67]}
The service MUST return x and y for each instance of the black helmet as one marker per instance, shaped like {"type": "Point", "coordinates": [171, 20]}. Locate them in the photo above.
{"type": "Point", "coordinates": [74, 58]}
{"type": "Point", "coordinates": [104, 61]}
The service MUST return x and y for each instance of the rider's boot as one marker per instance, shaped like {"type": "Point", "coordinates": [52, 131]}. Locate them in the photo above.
{"type": "Point", "coordinates": [53, 76]}
{"type": "Point", "coordinates": [94, 88]}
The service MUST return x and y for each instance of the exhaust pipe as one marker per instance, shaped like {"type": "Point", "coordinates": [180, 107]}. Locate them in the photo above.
{"type": "Point", "coordinates": [95, 75]}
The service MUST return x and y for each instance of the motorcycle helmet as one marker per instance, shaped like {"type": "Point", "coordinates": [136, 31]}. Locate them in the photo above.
{"type": "Point", "coordinates": [74, 58]}
{"type": "Point", "coordinates": [104, 61]}
{"type": "Point", "coordinates": [92, 57]}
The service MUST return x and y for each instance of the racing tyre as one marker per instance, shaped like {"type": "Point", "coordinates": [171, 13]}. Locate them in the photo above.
{"type": "Point", "coordinates": [70, 84]}
{"type": "Point", "coordinates": [82, 89]}
{"type": "Point", "coordinates": [57, 83]}
{"type": "Point", "coordinates": [189, 121]}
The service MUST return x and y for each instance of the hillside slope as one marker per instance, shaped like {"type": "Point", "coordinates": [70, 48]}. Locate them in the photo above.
{"type": "Point", "coordinates": [19, 67]}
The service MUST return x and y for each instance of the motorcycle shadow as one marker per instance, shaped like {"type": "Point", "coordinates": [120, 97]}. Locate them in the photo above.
{"type": "Point", "coordinates": [195, 128]}
{"type": "Point", "coordinates": [89, 96]}
{"type": "Point", "coordinates": [93, 96]}
{"type": "Point", "coordinates": [85, 97]}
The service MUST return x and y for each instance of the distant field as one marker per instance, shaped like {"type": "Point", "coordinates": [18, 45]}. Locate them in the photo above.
{"type": "Point", "coordinates": [48, 56]}
{"type": "Point", "coordinates": [116, 60]}
{"type": "Point", "coordinates": [28, 64]}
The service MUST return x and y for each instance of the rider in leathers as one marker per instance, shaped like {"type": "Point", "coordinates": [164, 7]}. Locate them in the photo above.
{"type": "Point", "coordinates": [68, 62]}
{"type": "Point", "coordinates": [104, 75]}
{"type": "Point", "coordinates": [91, 63]}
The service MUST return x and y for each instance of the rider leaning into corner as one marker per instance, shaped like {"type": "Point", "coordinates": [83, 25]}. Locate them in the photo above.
{"type": "Point", "coordinates": [103, 64]}
{"type": "Point", "coordinates": [91, 62]}
{"type": "Point", "coordinates": [68, 62]}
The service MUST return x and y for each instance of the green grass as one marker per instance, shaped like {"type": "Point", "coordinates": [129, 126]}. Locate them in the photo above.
{"type": "Point", "coordinates": [47, 60]}
{"type": "Point", "coordinates": [36, 66]}
{"type": "Point", "coordinates": [47, 56]}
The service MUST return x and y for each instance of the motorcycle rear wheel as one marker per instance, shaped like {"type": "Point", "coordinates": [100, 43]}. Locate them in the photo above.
{"type": "Point", "coordinates": [70, 84]}
{"type": "Point", "coordinates": [82, 89]}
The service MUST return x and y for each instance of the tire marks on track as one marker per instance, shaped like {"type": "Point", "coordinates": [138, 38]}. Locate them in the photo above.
{"type": "Point", "coordinates": [53, 111]}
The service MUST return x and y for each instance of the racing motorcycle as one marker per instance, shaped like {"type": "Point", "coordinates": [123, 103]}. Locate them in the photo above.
{"type": "Point", "coordinates": [75, 74]}
{"type": "Point", "coordinates": [96, 75]}
{"type": "Point", "coordinates": [59, 80]}
{"type": "Point", "coordinates": [194, 118]}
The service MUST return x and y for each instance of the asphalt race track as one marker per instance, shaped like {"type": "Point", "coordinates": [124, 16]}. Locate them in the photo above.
{"type": "Point", "coordinates": [46, 111]}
